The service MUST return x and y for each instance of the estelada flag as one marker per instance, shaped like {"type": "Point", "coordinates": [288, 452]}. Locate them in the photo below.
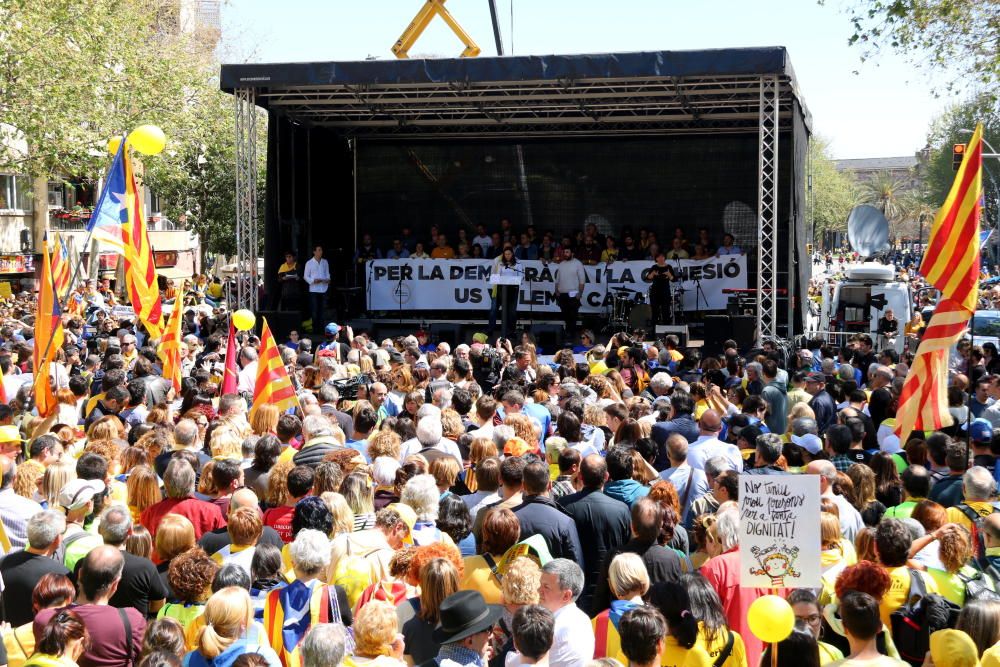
{"type": "Point", "coordinates": [48, 339]}
{"type": "Point", "coordinates": [951, 264]}
{"type": "Point", "coordinates": [118, 219]}
{"type": "Point", "coordinates": [170, 345]}
{"type": "Point", "coordinates": [60, 266]}
{"type": "Point", "coordinates": [273, 384]}
{"type": "Point", "coordinates": [230, 376]}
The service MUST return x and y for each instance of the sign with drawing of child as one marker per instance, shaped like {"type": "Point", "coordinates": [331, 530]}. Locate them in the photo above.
{"type": "Point", "coordinates": [779, 531]}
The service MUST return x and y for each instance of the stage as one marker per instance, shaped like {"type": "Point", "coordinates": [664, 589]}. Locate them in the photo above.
{"type": "Point", "coordinates": [713, 139]}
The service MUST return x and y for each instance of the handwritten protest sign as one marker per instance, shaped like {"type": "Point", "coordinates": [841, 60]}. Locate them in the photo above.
{"type": "Point", "coordinates": [779, 531]}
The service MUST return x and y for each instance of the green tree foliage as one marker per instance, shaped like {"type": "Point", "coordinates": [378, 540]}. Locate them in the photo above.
{"type": "Point", "coordinates": [961, 37]}
{"type": "Point", "coordinates": [833, 192]}
{"type": "Point", "coordinates": [950, 128]}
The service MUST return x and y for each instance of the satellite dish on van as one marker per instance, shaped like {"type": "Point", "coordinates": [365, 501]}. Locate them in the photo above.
{"type": "Point", "coordinates": [867, 230]}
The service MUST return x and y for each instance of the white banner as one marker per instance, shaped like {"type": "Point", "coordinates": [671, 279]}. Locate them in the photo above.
{"type": "Point", "coordinates": [779, 531]}
{"type": "Point", "coordinates": [463, 284]}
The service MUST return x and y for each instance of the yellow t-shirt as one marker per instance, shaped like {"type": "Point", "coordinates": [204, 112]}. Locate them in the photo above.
{"type": "Point", "coordinates": [881, 661]}
{"type": "Point", "coordinates": [699, 408]}
{"type": "Point", "coordinates": [991, 656]}
{"type": "Point", "coordinates": [828, 654]}
{"type": "Point", "coordinates": [956, 515]}
{"type": "Point", "coordinates": [479, 577]}
{"type": "Point", "coordinates": [703, 654]}
{"type": "Point", "coordinates": [899, 589]}
{"type": "Point", "coordinates": [952, 586]}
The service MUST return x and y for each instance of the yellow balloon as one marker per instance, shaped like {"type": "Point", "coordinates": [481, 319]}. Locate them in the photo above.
{"type": "Point", "coordinates": [244, 320]}
{"type": "Point", "coordinates": [771, 618]}
{"type": "Point", "coordinates": [148, 139]}
{"type": "Point", "coordinates": [114, 143]}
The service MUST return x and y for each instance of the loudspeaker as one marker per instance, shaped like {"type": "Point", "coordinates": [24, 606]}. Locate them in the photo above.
{"type": "Point", "coordinates": [744, 331]}
{"type": "Point", "coordinates": [717, 329]}
{"type": "Point", "coordinates": [679, 330]}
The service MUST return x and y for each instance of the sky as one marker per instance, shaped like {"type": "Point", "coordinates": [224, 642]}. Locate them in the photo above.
{"type": "Point", "coordinates": [878, 108]}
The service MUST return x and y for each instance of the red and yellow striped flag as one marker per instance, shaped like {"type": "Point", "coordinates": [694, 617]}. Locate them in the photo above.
{"type": "Point", "coordinates": [140, 271]}
{"type": "Point", "coordinates": [48, 338]}
{"type": "Point", "coordinates": [60, 266]}
{"type": "Point", "coordinates": [273, 385]}
{"type": "Point", "coordinates": [951, 264]}
{"type": "Point", "coordinates": [3, 389]}
{"type": "Point", "coordinates": [170, 345]}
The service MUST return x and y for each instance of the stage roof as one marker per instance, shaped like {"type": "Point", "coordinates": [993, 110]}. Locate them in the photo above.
{"type": "Point", "coordinates": [655, 92]}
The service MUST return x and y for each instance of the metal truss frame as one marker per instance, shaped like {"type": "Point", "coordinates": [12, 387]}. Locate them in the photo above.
{"type": "Point", "coordinates": [247, 246]}
{"type": "Point", "coordinates": [767, 206]}
{"type": "Point", "coordinates": [530, 108]}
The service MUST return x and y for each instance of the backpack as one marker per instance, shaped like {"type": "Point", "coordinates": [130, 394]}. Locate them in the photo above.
{"type": "Point", "coordinates": [920, 615]}
{"type": "Point", "coordinates": [978, 544]}
{"type": "Point", "coordinates": [981, 584]}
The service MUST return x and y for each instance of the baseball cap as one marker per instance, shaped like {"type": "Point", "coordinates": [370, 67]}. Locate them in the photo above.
{"type": "Point", "coordinates": [408, 516]}
{"type": "Point", "coordinates": [816, 377]}
{"type": "Point", "coordinates": [480, 337]}
{"type": "Point", "coordinates": [809, 442]}
{"type": "Point", "coordinates": [981, 430]}
{"type": "Point", "coordinates": [395, 357]}
{"type": "Point", "coordinates": [79, 492]}
{"type": "Point", "coordinates": [10, 433]}
{"type": "Point", "coordinates": [332, 329]}
{"type": "Point", "coordinates": [516, 447]}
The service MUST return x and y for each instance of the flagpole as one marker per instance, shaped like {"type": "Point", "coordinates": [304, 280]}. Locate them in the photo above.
{"type": "Point", "coordinates": [76, 270]}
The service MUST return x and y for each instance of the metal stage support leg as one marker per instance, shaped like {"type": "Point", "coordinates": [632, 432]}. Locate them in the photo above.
{"type": "Point", "coordinates": [247, 247]}
{"type": "Point", "coordinates": [767, 207]}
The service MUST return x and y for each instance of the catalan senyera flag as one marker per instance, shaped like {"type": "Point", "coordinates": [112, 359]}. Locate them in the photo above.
{"type": "Point", "coordinates": [170, 346]}
{"type": "Point", "coordinates": [48, 338]}
{"type": "Point", "coordinates": [61, 272]}
{"type": "Point", "coordinates": [951, 264]}
{"type": "Point", "coordinates": [3, 390]}
{"type": "Point", "coordinates": [273, 385]}
{"type": "Point", "coordinates": [230, 375]}
{"type": "Point", "coordinates": [119, 210]}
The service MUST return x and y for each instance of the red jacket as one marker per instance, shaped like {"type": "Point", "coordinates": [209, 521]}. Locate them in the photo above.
{"type": "Point", "coordinates": [723, 572]}
{"type": "Point", "coordinates": [205, 517]}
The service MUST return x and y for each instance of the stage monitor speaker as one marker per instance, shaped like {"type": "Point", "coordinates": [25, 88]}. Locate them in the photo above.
{"type": "Point", "coordinates": [679, 330]}
{"type": "Point", "coordinates": [280, 322]}
{"type": "Point", "coordinates": [744, 331]}
{"type": "Point", "coordinates": [548, 337]}
{"type": "Point", "coordinates": [717, 329]}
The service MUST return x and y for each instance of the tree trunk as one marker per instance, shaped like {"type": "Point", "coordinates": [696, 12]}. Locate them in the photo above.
{"type": "Point", "coordinates": [40, 216]}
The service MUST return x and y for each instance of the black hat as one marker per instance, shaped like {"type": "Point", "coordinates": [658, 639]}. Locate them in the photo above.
{"type": "Point", "coordinates": [464, 614]}
{"type": "Point", "coordinates": [395, 357]}
{"type": "Point", "coordinates": [737, 423]}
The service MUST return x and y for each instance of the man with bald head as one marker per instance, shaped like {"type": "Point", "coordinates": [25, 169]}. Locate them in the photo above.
{"type": "Point", "coordinates": [602, 522]}
{"type": "Point", "coordinates": [850, 520]}
{"type": "Point", "coordinates": [991, 539]}
{"type": "Point", "coordinates": [708, 444]}
{"type": "Point", "coordinates": [214, 540]}
{"type": "Point", "coordinates": [115, 634]}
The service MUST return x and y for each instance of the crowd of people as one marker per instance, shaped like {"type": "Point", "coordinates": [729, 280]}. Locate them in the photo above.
{"type": "Point", "coordinates": [435, 504]}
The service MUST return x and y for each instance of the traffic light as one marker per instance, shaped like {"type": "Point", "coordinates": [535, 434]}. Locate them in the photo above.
{"type": "Point", "coordinates": [957, 153]}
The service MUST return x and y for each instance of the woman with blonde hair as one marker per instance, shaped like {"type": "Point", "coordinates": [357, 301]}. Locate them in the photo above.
{"type": "Point", "coordinates": [836, 554]}
{"type": "Point", "coordinates": [418, 616]}
{"type": "Point", "coordinates": [228, 615]}
{"type": "Point", "coordinates": [174, 536]}
{"type": "Point", "coordinates": [343, 517]}
{"type": "Point", "coordinates": [264, 419]}
{"type": "Point", "coordinates": [143, 489]}
{"type": "Point", "coordinates": [28, 479]}
{"type": "Point", "coordinates": [520, 586]}
{"type": "Point", "coordinates": [226, 444]}
{"type": "Point", "coordinates": [277, 484]}
{"type": "Point", "coordinates": [863, 479]}
{"type": "Point", "coordinates": [384, 443]}
{"type": "Point", "coordinates": [56, 476]}
{"type": "Point", "coordinates": [445, 471]}
{"type": "Point", "coordinates": [378, 642]}
{"type": "Point", "coordinates": [108, 427]}
{"type": "Point", "coordinates": [629, 582]}
{"type": "Point", "coordinates": [359, 492]}
{"type": "Point", "coordinates": [479, 450]}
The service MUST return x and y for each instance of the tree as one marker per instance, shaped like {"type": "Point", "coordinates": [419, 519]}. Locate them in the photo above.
{"type": "Point", "coordinates": [72, 74]}
{"type": "Point", "coordinates": [833, 192]}
{"type": "Point", "coordinates": [951, 128]}
{"type": "Point", "coordinates": [958, 36]}
{"type": "Point", "coordinates": [885, 192]}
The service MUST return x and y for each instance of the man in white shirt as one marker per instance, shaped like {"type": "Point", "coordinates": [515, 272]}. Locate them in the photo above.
{"type": "Point", "coordinates": [317, 276]}
{"type": "Point", "coordinates": [247, 379]}
{"type": "Point", "coordinates": [483, 240]}
{"type": "Point", "coordinates": [573, 638]}
{"type": "Point", "coordinates": [570, 279]}
{"type": "Point", "coordinates": [850, 520]}
{"type": "Point", "coordinates": [708, 444]}
{"type": "Point", "coordinates": [15, 510]}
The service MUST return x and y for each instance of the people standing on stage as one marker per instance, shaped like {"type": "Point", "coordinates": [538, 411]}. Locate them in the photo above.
{"type": "Point", "coordinates": [570, 279]}
{"type": "Point", "coordinates": [526, 249]}
{"type": "Point", "coordinates": [288, 278]}
{"type": "Point", "coordinates": [482, 239]}
{"type": "Point", "coordinates": [728, 246]}
{"type": "Point", "coordinates": [398, 250]}
{"type": "Point", "coordinates": [547, 248]}
{"type": "Point", "coordinates": [317, 276]}
{"type": "Point", "coordinates": [610, 253]}
{"type": "Point", "coordinates": [660, 275]}
{"type": "Point", "coordinates": [441, 248]}
{"type": "Point", "coordinates": [630, 252]}
{"type": "Point", "coordinates": [505, 296]}
{"type": "Point", "coordinates": [677, 251]}
{"type": "Point", "coordinates": [590, 250]}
